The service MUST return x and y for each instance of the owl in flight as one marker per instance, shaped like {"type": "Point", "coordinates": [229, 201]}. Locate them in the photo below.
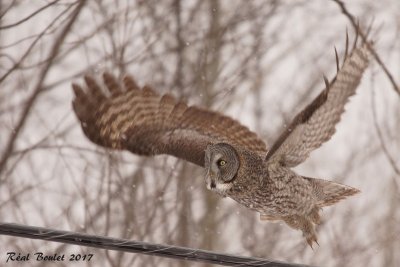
{"type": "Point", "coordinates": [121, 115]}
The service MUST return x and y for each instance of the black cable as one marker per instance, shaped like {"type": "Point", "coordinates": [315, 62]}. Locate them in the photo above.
{"type": "Point", "coordinates": [118, 244]}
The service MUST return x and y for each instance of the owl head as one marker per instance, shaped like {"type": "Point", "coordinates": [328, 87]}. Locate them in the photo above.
{"type": "Point", "coordinates": [221, 164]}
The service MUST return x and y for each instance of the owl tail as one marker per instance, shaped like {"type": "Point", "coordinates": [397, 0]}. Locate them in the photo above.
{"type": "Point", "coordinates": [328, 193]}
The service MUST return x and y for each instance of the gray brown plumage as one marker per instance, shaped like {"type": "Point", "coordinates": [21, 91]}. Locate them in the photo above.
{"type": "Point", "coordinates": [237, 162]}
{"type": "Point", "coordinates": [143, 122]}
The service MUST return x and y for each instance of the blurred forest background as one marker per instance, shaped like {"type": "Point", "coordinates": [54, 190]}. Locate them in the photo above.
{"type": "Point", "coordinates": [258, 61]}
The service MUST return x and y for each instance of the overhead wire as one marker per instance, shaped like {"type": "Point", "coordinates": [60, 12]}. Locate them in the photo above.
{"type": "Point", "coordinates": [131, 246]}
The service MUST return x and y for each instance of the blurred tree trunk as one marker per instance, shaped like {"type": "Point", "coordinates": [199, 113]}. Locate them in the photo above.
{"type": "Point", "coordinates": [183, 181]}
{"type": "Point", "coordinates": [210, 70]}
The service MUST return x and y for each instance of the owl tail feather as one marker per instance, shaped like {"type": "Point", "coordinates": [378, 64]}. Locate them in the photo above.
{"type": "Point", "coordinates": [328, 193]}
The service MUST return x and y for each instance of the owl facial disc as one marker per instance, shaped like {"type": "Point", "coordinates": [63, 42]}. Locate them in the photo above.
{"type": "Point", "coordinates": [221, 164]}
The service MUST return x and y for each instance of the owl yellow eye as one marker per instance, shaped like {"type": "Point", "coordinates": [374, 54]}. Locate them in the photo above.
{"type": "Point", "coordinates": [221, 162]}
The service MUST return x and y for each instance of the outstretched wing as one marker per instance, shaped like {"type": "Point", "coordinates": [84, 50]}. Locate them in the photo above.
{"type": "Point", "coordinates": [316, 123]}
{"type": "Point", "coordinates": [124, 116]}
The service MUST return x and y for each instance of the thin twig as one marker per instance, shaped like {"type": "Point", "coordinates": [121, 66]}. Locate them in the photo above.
{"type": "Point", "coordinates": [28, 17]}
{"type": "Point", "coordinates": [353, 21]}
{"type": "Point", "coordinates": [384, 147]}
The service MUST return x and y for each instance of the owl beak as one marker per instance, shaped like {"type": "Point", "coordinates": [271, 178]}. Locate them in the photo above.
{"type": "Point", "coordinates": [210, 180]}
{"type": "Point", "coordinates": [212, 185]}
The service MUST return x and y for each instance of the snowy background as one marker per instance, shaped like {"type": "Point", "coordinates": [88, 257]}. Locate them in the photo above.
{"type": "Point", "coordinates": [258, 61]}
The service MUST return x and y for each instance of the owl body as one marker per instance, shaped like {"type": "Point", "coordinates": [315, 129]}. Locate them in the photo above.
{"type": "Point", "coordinates": [237, 163]}
{"type": "Point", "coordinates": [270, 189]}
{"type": "Point", "coordinates": [275, 191]}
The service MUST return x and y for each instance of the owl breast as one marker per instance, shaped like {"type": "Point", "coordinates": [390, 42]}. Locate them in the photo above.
{"type": "Point", "coordinates": [252, 186]}
{"type": "Point", "coordinates": [272, 190]}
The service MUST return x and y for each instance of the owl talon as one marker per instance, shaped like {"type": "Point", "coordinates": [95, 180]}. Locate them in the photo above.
{"type": "Point", "coordinates": [311, 239]}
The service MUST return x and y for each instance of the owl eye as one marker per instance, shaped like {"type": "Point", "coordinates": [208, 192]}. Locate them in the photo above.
{"type": "Point", "coordinates": [221, 162]}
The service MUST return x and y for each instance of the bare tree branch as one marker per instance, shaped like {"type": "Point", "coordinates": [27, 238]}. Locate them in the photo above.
{"type": "Point", "coordinates": [29, 16]}
{"type": "Point", "coordinates": [384, 147]}
{"type": "Point", "coordinates": [38, 87]}
{"type": "Point", "coordinates": [353, 21]}
{"type": "Point", "coordinates": [31, 46]}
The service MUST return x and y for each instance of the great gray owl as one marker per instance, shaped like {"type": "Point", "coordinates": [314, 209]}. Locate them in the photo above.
{"type": "Point", "coordinates": [121, 115]}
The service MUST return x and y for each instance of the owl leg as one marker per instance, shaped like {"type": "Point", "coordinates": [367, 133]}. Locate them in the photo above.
{"type": "Point", "coordinates": [305, 225]}
{"type": "Point", "coordinates": [314, 215]}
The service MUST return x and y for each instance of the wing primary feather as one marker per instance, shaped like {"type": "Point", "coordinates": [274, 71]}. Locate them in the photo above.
{"type": "Point", "coordinates": [79, 94]}
{"type": "Point", "coordinates": [111, 84]}
{"type": "Point", "coordinates": [346, 52]}
{"type": "Point", "coordinates": [337, 61]}
{"type": "Point", "coordinates": [148, 91]}
{"type": "Point", "coordinates": [130, 83]}
{"type": "Point", "coordinates": [326, 82]}
{"type": "Point", "coordinates": [357, 33]}
{"type": "Point", "coordinates": [94, 89]}
{"type": "Point", "coordinates": [81, 103]}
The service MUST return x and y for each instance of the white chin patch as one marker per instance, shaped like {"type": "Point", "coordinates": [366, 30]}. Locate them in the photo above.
{"type": "Point", "coordinates": [222, 188]}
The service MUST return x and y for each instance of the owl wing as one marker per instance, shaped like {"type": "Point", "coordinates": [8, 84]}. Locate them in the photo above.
{"type": "Point", "coordinates": [316, 123]}
{"type": "Point", "coordinates": [124, 116]}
